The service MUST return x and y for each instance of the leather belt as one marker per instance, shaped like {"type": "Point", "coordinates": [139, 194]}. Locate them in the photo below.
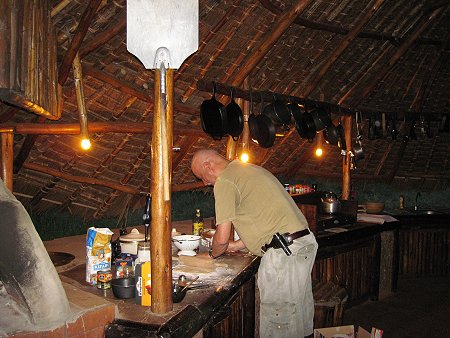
{"type": "Point", "coordinates": [289, 238]}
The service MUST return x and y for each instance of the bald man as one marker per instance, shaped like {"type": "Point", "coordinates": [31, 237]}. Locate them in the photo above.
{"type": "Point", "coordinates": [266, 220]}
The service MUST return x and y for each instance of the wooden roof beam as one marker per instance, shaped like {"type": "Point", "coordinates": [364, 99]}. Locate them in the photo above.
{"type": "Point", "coordinates": [225, 18]}
{"type": "Point", "coordinates": [396, 41]}
{"type": "Point", "coordinates": [93, 127]}
{"type": "Point", "coordinates": [75, 44]}
{"type": "Point", "coordinates": [284, 22]}
{"type": "Point", "coordinates": [131, 90]}
{"type": "Point", "coordinates": [103, 183]}
{"type": "Point", "coordinates": [372, 83]}
{"type": "Point", "coordinates": [348, 39]}
{"type": "Point", "coordinates": [220, 48]}
{"type": "Point", "coordinates": [103, 37]}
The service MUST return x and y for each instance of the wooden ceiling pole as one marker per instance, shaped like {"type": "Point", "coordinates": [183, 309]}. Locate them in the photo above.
{"type": "Point", "coordinates": [283, 24]}
{"type": "Point", "coordinates": [348, 39]}
{"type": "Point", "coordinates": [398, 54]}
{"type": "Point", "coordinates": [161, 179]}
{"type": "Point", "coordinates": [94, 127]}
{"type": "Point", "coordinates": [346, 160]}
{"type": "Point", "coordinates": [7, 159]}
{"type": "Point", "coordinates": [75, 44]}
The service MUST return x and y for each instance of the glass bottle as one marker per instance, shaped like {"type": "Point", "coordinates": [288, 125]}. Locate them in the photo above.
{"type": "Point", "coordinates": [197, 223]}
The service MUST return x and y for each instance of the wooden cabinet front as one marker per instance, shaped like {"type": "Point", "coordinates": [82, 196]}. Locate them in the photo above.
{"type": "Point", "coordinates": [237, 318]}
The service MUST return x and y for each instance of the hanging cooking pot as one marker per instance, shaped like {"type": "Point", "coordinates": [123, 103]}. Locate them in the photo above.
{"type": "Point", "coordinates": [213, 116]}
{"type": "Point", "coordinates": [278, 112]}
{"type": "Point", "coordinates": [330, 203]}
{"type": "Point", "coordinates": [305, 125]}
{"type": "Point", "coordinates": [235, 118]}
{"type": "Point", "coordinates": [331, 134]}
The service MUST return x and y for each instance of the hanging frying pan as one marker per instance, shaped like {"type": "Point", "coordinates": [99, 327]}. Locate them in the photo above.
{"type": "Point", "coordinates": [341, 133]}
{"type": "Point", "coordinates": [213, 116]}
{"type": "Point", "coordinates": [261, 128]}
{"type": "Point", "coordinates": [305, 125]}
{"type": "Point", "coordinates": [235, 118]}
{"type": "Point", "coordinates": [278, 112]}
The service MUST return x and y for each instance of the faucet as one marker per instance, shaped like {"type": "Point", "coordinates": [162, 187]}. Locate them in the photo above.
{"type": "Point", "coordinates": [417, 197]}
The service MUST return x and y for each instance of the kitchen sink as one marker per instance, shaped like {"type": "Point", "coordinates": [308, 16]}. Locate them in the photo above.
{"type": "Point", "coordinates": [424, 212]}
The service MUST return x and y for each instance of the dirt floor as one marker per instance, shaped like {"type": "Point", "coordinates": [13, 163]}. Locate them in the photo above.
{"type": "Point", "coordinates": [419, 309]}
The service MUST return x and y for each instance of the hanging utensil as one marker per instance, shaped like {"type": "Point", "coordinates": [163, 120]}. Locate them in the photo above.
{"type": "Point", "coordinates": [146, 216]}
{"type": "Point", "coordinates": [358, 153]}
{"type": "Point", "coordinates": [405, 135]}
{"type": "Point", "coordinates": [341, 132]}
{"type": "Point", "coordinates": [383, 125]}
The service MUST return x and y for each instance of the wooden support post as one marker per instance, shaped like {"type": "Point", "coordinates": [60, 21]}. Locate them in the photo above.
{"type": "Point", "coordinates": [161, 169]}
{"type": "Point", "coordinates": [346, 160]}
{"type": "Point", "coordinates": [7, 160]}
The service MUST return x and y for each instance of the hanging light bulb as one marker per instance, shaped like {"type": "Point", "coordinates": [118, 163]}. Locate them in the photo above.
{"type": "Point", "coordinates": [319, 150]}
{"type": "Point", "coordinates": [78, 81]}
{"type": "Point", "coordinates": [244, 157]}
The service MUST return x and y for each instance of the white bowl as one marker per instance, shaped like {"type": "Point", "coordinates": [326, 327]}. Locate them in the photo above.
{"type": "Point", "coordinates": [186, 244]}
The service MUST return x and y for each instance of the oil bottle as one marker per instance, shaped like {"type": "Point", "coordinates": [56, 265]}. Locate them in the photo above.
{"type": "Point", "coordinates": [197, 223]}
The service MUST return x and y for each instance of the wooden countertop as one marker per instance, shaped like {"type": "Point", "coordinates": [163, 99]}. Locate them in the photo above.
{"type": "Point", "coordinates": [190, 315]}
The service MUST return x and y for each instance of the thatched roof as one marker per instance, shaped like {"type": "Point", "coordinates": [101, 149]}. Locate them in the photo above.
{"type": "Point", "coordinates": [391, 60]}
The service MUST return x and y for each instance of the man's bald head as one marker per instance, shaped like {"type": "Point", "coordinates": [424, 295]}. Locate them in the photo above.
{"type": "Point", "coordinates": [207, 165]}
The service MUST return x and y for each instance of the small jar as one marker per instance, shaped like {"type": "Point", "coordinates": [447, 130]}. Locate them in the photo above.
{"type": "Point", "coordinates": [144, 252]}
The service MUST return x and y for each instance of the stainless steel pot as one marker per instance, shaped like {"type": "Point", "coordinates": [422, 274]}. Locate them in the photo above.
{"type": "Point", "coordinates": [330, 203]}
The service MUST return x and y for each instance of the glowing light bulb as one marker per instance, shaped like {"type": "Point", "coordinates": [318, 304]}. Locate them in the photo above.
{"type": "Point", "coordinates": [244, 157]}
{"type": "Point", "coordinates": [85, 143]}
{"type": "Point", "coordinates": [319, 152]}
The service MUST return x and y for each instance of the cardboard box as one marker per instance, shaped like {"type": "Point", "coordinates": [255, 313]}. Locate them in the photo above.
{"type": "Point", "coordinates": [347, 331]}
{"type": "Point", "coordinates": [143, 274]}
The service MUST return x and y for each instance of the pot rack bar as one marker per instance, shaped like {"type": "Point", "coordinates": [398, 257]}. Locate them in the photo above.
{"type": "Point", "coordinates": [268, 96]}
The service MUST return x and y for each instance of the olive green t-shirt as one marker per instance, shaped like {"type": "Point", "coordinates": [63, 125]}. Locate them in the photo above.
{"type": "Point", "coordinates": [256, 203]}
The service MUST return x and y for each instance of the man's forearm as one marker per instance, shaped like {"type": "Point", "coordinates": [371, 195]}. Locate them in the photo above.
{"type": "Point", "coordinates": [236, 245]}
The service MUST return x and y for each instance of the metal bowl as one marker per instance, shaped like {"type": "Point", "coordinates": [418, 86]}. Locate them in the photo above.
{"type": "Point", "coordinates": [124, 287]}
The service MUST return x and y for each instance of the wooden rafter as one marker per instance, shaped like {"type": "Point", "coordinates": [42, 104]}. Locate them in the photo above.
{"type": "Point", "coordinates": [103, 183]}
{"type": "Point", "coordinates": [348, 39]}
{"type": "Point", "coordinates": [77, 39]}
{"type": "Point", "coordinates": [124, 180]}
{"type": "Point", "coordinates": [263, 48]}
{"type": "Point", "coordinates": [374, 35]}
{"type": "Point", "coordinates": [103, 37]}
{"type": "Point", "coordinates": [131, 90]}
{"type": "Point", "coordinates": [108, 160]}
{"type": "Point", "coordinates": [184, 149]}
{"type": "Point", "coordinates": [219, 49]}
{"type": "Point", "coordinates": [225, 18]}
{"type": "Point", "coordinates": [372, 83]}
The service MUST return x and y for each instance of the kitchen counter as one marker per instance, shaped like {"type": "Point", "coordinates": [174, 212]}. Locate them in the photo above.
{"type": "Point", "coordinates": [362, 257]}
{"type": "Point", "coordinates": [201, 309]}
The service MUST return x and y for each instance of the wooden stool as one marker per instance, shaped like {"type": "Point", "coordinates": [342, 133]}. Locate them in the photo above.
{"type": "Point", "coordinates": [329, 302]}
